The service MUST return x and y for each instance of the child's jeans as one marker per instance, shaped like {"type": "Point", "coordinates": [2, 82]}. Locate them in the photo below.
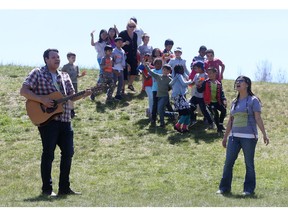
{"type": "Point", "coordinates": [196, 100]}
{"type": "Point", "coordinates": [118, 77]}
{"type": "Point", "coordinates": [162, 102]}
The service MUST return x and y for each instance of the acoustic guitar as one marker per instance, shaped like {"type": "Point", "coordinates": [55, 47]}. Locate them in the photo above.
{"type": "Point", "coordinates": [40, 115]}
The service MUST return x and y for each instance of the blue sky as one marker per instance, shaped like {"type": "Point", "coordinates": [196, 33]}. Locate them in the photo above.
{"type": "Point", "coordinates": [241, 38]}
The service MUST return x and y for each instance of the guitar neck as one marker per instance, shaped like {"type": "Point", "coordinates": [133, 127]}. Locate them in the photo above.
{"type": "Point", "coordinates": [70, 97]}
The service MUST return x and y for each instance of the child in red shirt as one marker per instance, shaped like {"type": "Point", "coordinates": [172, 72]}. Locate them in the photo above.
{"type": "Point", "coordinates": [214, 62]}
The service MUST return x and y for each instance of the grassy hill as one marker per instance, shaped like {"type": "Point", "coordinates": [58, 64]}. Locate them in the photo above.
{"type": "Point", "coordinates": [121, 161]}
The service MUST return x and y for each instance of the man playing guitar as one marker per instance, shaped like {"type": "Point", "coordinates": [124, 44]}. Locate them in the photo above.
{"type": "Point", "coordinates": [57, 130]}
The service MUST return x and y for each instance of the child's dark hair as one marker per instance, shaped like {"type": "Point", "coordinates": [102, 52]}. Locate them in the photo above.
{"type": "Point", "coordinates": [157, 60]}
{"type": "Point", "coordinates": [100, 39]}
{"type": "Point", "coordinates": [209, 51]}
{"type": "Point", "coordinates": [154, 51]}
{"type": "Point", "coordinates": [167, 67]}
{"type": "Point", "coordinates": [108, 47]}
{"type": "Point", "coordinates": [69, 54]}
{"type": "Point", "coordinates": [113, 29]}
{"type": "Point", "coordinates": [168, 42]}
{"type": "Point", "coordinates": [179, 69]}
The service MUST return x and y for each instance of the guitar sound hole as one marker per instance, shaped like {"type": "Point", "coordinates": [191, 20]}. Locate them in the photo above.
{"type": "Point", "coordinates": [51, 109]}
{"type": "Point", "coordinates": [48, 110]}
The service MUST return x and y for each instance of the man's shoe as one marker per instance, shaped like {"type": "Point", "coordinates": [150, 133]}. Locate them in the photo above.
{"type": "Point", "coordinates": [49, 194]}
{"type": "Point", "coordinates": [223, 192]}
{"type": "Point", "coordinates": [219, 192]}
{"type": "Point", "coordinates": [68, 192]}
{"type": "Point", "coordinates": [246, 194]}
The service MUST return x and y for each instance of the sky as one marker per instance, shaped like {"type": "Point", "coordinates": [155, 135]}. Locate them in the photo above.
{"type": "Point", "coordinates": [242, 36]}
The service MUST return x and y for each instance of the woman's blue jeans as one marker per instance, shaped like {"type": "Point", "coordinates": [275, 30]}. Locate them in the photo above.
{"type": "Point", "coordinates": [235, 144]}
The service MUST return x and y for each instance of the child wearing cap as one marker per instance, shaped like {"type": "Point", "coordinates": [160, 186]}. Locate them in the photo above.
{"type": "Point", "coordinates": [214, 62]}
{"type": "Point", "coordinates": [107, 68]}
{"type": "Point", "coordinates": [73, 71]}
{"type": "Point", "coordinates": [214, 97]}
{"type": "Point", "coordinates": [119, 59]}
{"type": "Point", "coordinates": [179, 61]}
{"type": "Point", "coordinates": [197, 97]}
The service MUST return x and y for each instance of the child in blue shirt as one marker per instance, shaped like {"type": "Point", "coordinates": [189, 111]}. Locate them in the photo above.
{"type": "Point", "coordinates": [179, 90]}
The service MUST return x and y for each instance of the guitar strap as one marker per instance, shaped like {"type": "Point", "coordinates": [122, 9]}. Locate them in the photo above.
{"type": "Point", "coordinates": [69, 103]}
{"type": "Point", "coordinates": [63, 83]}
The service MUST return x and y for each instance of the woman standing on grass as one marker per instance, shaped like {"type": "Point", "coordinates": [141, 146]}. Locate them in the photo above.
{"type": "Point", "coordinates": [130, 47]}
{"type": "Point", "coordinates": [245, 115]}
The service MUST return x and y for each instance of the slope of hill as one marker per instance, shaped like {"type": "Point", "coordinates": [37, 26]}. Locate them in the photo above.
{"type": "Point", "coordinates": [121, 161]}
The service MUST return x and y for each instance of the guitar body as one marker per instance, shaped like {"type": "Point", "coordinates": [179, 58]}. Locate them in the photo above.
{"type": "Point", "coordinates": [41, 115]}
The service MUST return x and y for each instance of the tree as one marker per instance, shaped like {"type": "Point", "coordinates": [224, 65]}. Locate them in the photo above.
{"type": "Point", "coordinates": [263, 71]}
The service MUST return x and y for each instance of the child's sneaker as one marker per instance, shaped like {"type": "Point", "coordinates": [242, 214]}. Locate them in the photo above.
{"type": "Point", "coordinates": [109, 99]}
{"type": "Point", "coordinates": [221, 127]}
{"type": "Point", "coordinates": [211, 127]}
{"type": "Point", "coordinates": [177, 129]}
{"type": "Point", "coordinates": [147, 112]}
{"type": "Point", "coordinates": [131, 87]}
{"type": "Point", "coordinates": [118, 97]}
{"type": "Point", "coordinates": [92, 97]}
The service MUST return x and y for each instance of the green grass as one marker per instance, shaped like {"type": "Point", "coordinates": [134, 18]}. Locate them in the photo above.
{"type": "Point", "coordinates": [120, 161]}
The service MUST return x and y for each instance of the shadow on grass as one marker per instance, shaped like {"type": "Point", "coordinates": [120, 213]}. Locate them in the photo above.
{"type": "Point", "coordinates": [239, 196]}
{"type": "Point", "coordinates": [197, 133]}
{"type": "Point", "coordinates": [41, 198]}
{"type": "Point", "coordinates": [129, 96]}
{"type": "Point", "coordinates": [111, 105]}
{"type": "Point", "coordinates": [102, 105]}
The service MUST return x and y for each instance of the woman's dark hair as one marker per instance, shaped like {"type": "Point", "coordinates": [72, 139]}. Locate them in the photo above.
{"type": "Point", "coordinates": [46, 53]}
{"type": "Point", "coordinates": [179, 69]}
{"type": "Point", "coordinates": [249, 88]}
{"type": "Point", "coordinates": [248, 82]}
{"type": "Point", "coordinates": [100, 39]}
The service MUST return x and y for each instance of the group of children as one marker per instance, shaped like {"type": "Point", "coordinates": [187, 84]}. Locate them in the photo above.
{"type": "Point", "coordinates": [163, 71]}
{"type": "Point", "coordinates": [169, 72]}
